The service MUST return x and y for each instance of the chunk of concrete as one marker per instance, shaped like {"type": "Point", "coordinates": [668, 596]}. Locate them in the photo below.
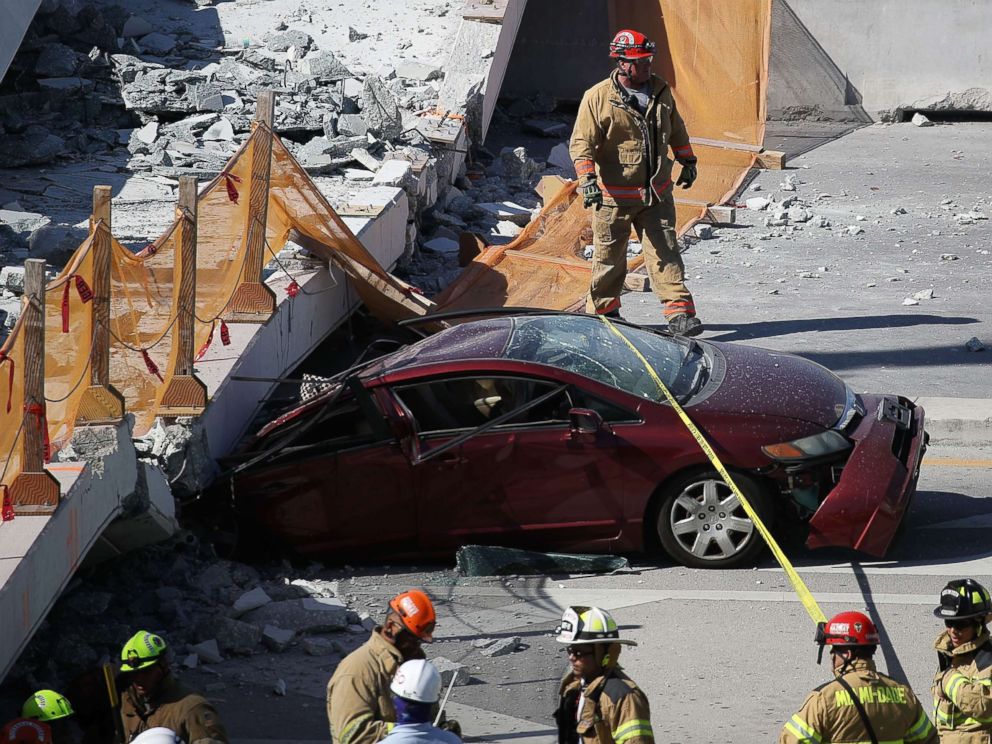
{"type": "Point", "coordinates": [449, 669]}
{"type": "Point", "coordinates": [136, 26]}
{"type": "Point", "coordinates": [281, 41]}
{"type": "Point", "coordinates": [758, 203]}
{"type": "Point", "coordinates": [506, 211]}
{"type": "Point", "coordinates": [12, 278]}
{"type": "Point", "coordinates": [704, 232]}
{"type": "Point", "coordinates": [974, 344]}
{"type": "Point", "coordinates": [502, 647]}
{"type": "Point", "coordinates": [444, 246]}
{"type": "Point", "coordinates": [157, 43]}
{"type": "Point", "coordinates": [147, 134]}
{"type": "Point", "coordinates": [546, 128]}
{"type": "Point", "coordinates": [319, 646]}
{"type": "Point", "coordinates": [393, 173]}
{"type": "Point", "coordinates": [209, 651]}
{"type": "Point", "coordinates": [220, 131]}
{"type": "Point", "coordinates": [56, 61]}
{"type": "Point", "coordinates": [380, 110]}
{"type": "Point", "coordinates": [277, 639]}
{"type": "Point", "coordinates": [325, 66]}
{"type": "Point", "coordinates": [412, 70]}
{"type": "Point", "coordinates": [233, 636]}
{"type": "Point", "coordinates": [352, 124]}
{"type": "Point", "coordinates": [251, 600]}
{"type": "Point", "coordinates": [560, 158]}
{"type": "Point", "coordinates": [311, 615]}
{"type": "Point", "coordinates": [920, 120]}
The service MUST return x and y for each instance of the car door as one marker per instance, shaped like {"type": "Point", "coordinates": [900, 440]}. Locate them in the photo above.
{"type": "Point", "coordinates": [527, 482]}
{"type": "Point", "coordinates": [339, 483]}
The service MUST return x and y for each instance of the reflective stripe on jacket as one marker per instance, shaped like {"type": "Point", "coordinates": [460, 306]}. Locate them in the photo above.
{"type": "Point", "coordinates": [359, 705]}
{"type": "Point", "coordinates": [628, 151]}
{"type": "Point", "coordinates": [962, 690]}
{"type": "Point", "coordinates": [829, 713]}
{"type": "Point", "coordinates": [614, 710]}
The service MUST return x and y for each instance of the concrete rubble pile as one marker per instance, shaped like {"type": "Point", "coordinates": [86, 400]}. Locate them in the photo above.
{"type": "Point", "coordinates": [210, 611]}
{"type": "Point", "coordinates": [125, 94]}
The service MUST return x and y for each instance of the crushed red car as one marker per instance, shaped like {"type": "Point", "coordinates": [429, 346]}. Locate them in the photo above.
{"type": "Point", "coordinates": [545, 431]}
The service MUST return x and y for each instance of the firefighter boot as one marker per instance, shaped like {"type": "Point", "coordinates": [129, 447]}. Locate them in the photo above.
{"type": "Point", "coordinates": [684, 324]}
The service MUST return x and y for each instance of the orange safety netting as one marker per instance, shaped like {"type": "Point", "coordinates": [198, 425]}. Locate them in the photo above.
{"type": "Point", "coordinates": [145, 292]}
{"type": "Point", "coordinates": [715, 57]}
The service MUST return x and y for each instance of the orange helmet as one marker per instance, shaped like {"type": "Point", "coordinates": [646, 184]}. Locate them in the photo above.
{"type": "Point", "coordinates": [629, 44]}
{"type": "Point", "coordinates": [417, 613]}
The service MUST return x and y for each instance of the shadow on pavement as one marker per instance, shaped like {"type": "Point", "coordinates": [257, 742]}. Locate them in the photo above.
{"type": "Point", "coordinates": [766, 329]}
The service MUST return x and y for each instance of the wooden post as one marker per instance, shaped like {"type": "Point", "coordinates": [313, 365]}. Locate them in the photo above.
{"type": "Point", "coordinates": [252, 301]}
{"type": "Point", "coordinates": [34, 490]}
{"type": "Point", "coordinates": [185, 395]}
{"type": "Point", "coordinates": [101, 403]}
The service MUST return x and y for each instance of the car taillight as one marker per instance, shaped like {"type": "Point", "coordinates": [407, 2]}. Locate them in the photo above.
{"type": "Point", "coordinates": [808, 448]}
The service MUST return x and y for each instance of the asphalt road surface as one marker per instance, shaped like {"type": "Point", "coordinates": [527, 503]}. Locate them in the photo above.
{"type": "Point", "coordinates": [722, 655]}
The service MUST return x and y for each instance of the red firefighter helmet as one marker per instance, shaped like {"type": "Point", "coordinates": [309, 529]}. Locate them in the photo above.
{"type": "Point", "coordinates": [847, 629]}
{"type": "Point", "coordinates": [630, 44]}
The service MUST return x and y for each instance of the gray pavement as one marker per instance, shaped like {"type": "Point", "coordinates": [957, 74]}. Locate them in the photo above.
{"type": "Point", "coordinates": [838, 298]}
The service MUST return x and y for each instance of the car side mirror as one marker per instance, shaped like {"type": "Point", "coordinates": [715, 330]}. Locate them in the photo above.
{"type": "Point", "coordinates": [584, 422]}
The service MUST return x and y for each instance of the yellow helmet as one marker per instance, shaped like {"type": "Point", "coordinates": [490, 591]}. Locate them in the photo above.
{"type": "Point", "coordinates": [143, 650]}
{"type": "Point", "coordinates": [589, 625]}
{"type": "Point", "coordinates": [46, 705]}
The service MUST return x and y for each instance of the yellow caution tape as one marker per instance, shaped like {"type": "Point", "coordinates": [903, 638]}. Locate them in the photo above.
{"type": "Point", "coordinates": [802, 591]}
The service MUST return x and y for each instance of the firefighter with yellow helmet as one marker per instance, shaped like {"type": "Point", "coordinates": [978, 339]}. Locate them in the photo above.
{"type": "Point", "coordinates": [962, 687]}
{"type": "Point", "coordinates": [45, 718]}
{"type": "Point", "coordinates": [155, 698]}
{"type": "Point", "coordinates": [597, 702]}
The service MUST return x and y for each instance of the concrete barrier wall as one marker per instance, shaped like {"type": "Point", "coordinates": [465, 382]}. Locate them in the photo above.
{"type": "Point", "coordinates": [15, 17]}
{"type": "Point", "coordinates": [884, 55]}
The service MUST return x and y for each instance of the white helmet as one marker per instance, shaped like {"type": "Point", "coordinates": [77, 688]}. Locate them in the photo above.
{"type": "Point", "coordinates": [589, 625]}
{"type": "Point", "coordinates": [157, 735]}
{"type": "Point", "coordinates": [417, 680]}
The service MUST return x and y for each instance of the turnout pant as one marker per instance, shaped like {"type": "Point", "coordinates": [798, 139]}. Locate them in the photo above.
{"type": "Point", "coordinates": [655, 227]}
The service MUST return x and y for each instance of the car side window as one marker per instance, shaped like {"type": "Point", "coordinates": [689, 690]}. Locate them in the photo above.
{"type": "Point", "coordinates": [339, 426]}
{"type": "Point", "coordinates": [468, 402]}
{"type": "Point", "coordinates": [611, 413]}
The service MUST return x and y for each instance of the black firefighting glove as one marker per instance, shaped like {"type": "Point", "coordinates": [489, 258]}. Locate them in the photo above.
{"type": "Point", "coordinates": [688, 175]}
{"type": "Point", "coordinates": [450, 724]}
{"type": "Point", "coordinates": [592, 195]}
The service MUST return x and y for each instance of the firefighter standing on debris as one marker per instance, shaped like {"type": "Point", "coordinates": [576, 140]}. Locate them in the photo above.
{"type": "Point", "coordinates": [962, 687]}
{"type": "Point", "coordinates": [620, 143]}
{"type": "Point", "coordinates": [155, 698]}
{"type": "Point", "coordinates": [597, 702]}
{"type": "Point", "coordinates": [860, 704]}
{"type": "Point", "coordinates": [360, 709]}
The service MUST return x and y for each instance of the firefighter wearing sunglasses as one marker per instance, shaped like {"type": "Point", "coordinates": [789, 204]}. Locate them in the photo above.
{"type": "Point", "coordinates": [597, 702]}
{"type": "Point", "coordinates": [962, 687]}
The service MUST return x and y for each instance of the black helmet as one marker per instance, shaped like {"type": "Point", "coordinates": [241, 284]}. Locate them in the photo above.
{"type": "Point", "coordinates": [963, 599]}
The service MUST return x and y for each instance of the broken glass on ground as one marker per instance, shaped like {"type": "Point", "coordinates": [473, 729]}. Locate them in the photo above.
{"type": "Point", "coordinates": [489, 560]}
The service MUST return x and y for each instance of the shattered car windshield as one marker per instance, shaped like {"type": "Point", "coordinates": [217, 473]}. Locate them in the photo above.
{"type": "Point", "coordinates": [587, 347]}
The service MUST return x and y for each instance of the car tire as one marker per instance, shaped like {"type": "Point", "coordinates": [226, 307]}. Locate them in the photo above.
{"type": "Point", "coordinates": [700, 524]}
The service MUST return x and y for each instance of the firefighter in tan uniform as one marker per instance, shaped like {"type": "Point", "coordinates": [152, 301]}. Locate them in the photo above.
{"type": "Point", "coordinates": [962, 687]}
{"type": "Point", "coordinates": [624, 129]}
{"type": "Point", "coordinates": [360, 708]}
{"type": "Point", "coordinates": [597, 702]}
{"type": "Point", "coordinates": [155, 698]}
{"type": "Point", "coordinates": [861, 704]}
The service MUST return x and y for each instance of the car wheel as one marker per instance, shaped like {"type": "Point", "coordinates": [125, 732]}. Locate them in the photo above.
{"type": "Point", "coordinates": [700, 522]}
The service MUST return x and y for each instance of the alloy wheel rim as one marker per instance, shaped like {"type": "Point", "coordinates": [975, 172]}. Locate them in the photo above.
{"type": "Point", "coordinates": [708, 521]}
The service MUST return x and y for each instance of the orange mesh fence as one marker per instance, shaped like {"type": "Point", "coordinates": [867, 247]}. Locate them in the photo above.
{"type": "Point", "coordinates": [11, 406]}
{"type": "Point", "coordinates": [144, 295]}
{"type": "Point", "coordinates": [715, 56]}
{"type": "Point", "coordinates": [68, 340]}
